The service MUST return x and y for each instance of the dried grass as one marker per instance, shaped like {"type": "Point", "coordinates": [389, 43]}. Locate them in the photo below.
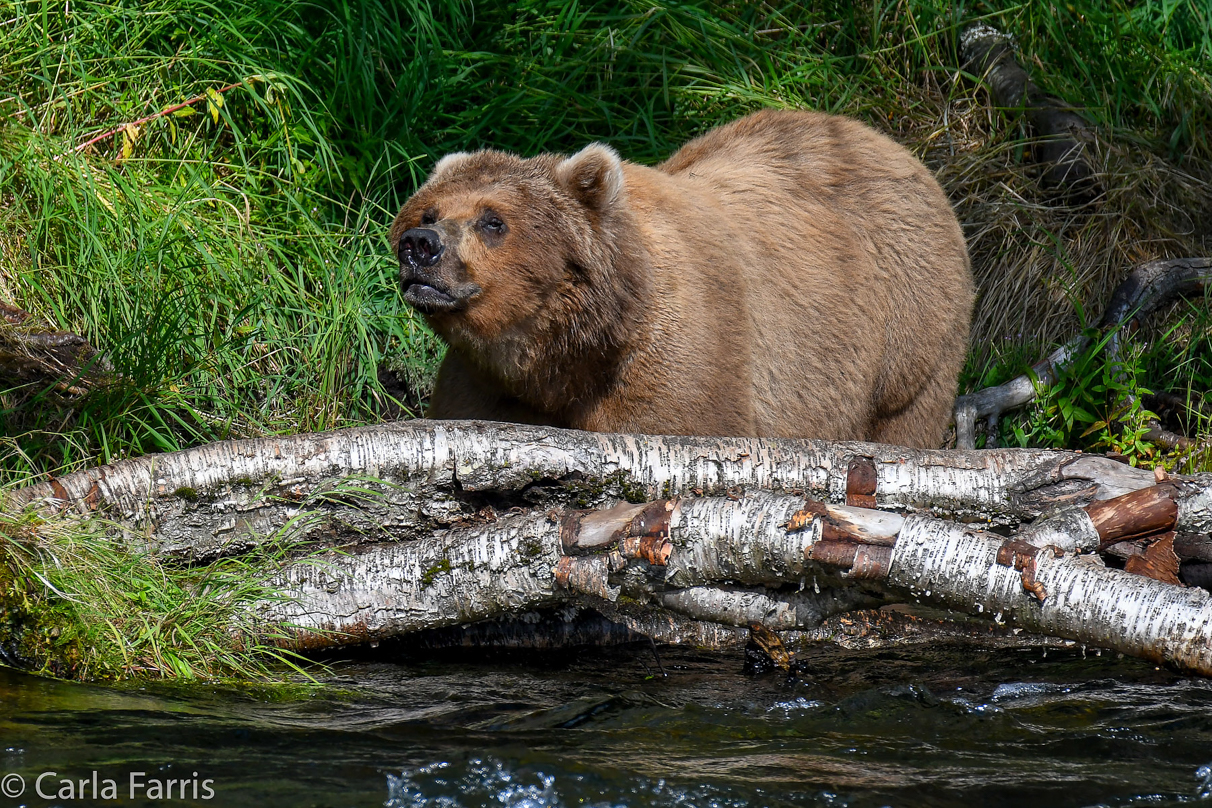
{"type": "Point", "coordinates": [1045, 268]}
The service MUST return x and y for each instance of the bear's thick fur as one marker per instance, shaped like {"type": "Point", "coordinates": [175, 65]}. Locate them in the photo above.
{"type": "Point", "coordinates": [790, 274]}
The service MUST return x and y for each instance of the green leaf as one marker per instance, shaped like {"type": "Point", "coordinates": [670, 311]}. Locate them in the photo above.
{"type": "Point", "coordinates": [214, 103]}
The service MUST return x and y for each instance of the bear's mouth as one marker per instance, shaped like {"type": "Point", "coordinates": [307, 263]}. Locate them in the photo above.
{"type": "Point", "coordinates": [430, 296]}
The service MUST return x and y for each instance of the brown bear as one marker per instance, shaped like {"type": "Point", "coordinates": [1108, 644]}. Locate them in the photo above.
{"type": "Point", "coordinates": [790, 274]}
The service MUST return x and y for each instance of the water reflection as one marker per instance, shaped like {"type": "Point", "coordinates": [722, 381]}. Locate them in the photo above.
{"type": "Point", "coordinates": [943, 727]}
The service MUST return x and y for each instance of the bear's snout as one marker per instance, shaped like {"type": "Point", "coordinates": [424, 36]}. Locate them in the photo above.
{"type": "Point", "coordinates": [433, 281]}
{"type": "Point", "coordinates": [420, 247]}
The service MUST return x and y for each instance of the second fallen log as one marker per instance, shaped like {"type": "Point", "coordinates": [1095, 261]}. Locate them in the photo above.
{"type": "Point", "coordinates": [750, 558]}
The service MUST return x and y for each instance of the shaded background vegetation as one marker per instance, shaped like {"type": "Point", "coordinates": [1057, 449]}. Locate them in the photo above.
{"type": "Point", "coordinates": [229, 258]}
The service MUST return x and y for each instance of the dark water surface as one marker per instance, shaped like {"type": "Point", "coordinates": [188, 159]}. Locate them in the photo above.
{"type": "Point", "coordinates": [914, 727]}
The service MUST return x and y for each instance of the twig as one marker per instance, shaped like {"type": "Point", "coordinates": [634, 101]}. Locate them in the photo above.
{"type": "Point", "coordinates": [153, 116]}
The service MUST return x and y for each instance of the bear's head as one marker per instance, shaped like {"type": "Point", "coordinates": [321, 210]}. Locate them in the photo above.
{"type": "Point", "coordinates": [523, 262]}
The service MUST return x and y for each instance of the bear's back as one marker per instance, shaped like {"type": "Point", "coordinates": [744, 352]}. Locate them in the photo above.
{"type": "Point", "coordinates": [854, 272]}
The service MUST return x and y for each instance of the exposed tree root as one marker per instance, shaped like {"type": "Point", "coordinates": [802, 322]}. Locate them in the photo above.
{"type": "Point", "coordinates": [1143, 291]}
{"type": "Point", "coordinates": [34, 356]}
{"type": "Point", "coordinates": [1063, 137]}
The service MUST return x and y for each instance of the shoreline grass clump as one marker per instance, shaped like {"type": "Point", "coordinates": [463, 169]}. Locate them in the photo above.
{"type": "Point", "coordinates": [80, 601]}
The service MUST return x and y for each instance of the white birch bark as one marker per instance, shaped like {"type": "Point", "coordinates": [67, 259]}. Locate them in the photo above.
{"type": "Point", "coordinates": [507, 567]}
{"type": "Point", "coordinates": [405, 480]}
{"type": "Point", "coordinates": [950, 564]}
{"type": "Point", "coordinates": [727, 561]}
{"type": "Point", "coordinates": [730, 606]}
{"type": "Point", "coordinates": [384, 590]}
{"type": "Point", "coordinates": [1195, 509]}
{"type": "Point", "coordinates": [1071, 530]}
{"type": "Point", "coordinates": [422, 552]}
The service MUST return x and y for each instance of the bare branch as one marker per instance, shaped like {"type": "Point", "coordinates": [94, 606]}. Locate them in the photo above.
{"type": "Point", "coordinates": [1145, 289]}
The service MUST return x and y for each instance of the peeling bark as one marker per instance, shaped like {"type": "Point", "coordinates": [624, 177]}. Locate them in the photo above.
{"type": "Point", "coordinates": [405, 480]}
{"type": "Point", "coordinates": [750, 560]}
{"type": "Point", "coordinates": [434, 525]}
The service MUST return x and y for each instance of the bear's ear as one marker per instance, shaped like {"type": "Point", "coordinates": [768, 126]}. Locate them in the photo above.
{"type": "Point", "coordinates": [448, 163]}
{"type": "Point", "coordinates": [594, 175]}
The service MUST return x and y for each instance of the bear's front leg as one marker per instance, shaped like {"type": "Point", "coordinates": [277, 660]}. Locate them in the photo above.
{"type": "Point", "coordinates": [463, 392]}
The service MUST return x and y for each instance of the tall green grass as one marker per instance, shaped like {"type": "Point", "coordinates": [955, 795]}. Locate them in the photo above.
{"type": "Point", "coordinates": [229, 258]}
{"type": "Point", "coordinates": [80, 600]}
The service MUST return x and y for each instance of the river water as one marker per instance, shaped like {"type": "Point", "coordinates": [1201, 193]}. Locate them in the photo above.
{"type": "Point", "coordinates": [938, 726]}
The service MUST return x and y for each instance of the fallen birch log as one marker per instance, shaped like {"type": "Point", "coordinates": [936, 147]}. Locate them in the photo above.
{"type": "Point", "coordinates": [406, 480]}
{"type": "Point", "coordinates": [769, 559]}
{"type": "Point", "coordinates": [439, 524]}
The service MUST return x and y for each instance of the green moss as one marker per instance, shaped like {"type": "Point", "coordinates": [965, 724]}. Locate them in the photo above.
{"type": "Point", "coordinates": [186, 493]}
{"type": "Point", "coordinates": [630, 490]}
{"type": "Point", "coordinates": [431, 574]}
{"type": "Point", "coordinates": [34, 631]}
{"type": "Point", "coordinates": [588, 493]}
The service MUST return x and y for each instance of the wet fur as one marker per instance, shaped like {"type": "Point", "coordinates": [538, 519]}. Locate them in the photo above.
{"type": "Point", "coordinates": [788, 274]}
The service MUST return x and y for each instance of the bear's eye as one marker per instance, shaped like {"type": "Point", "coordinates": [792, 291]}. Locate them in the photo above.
{"type": "Point", "coordinates": [429, 217]}
{"type": "Point", "coordinates": [493, 224]}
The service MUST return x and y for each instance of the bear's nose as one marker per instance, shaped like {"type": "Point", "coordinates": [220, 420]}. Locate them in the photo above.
{"type": "Point", "coordinates": [420, 247]}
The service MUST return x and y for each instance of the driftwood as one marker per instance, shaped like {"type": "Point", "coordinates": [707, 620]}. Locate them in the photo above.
{"type": "Point", "coordinates": [675, 555]}
{"type": "Point", "coordinates": [1063, 138]}
{"type": "Point", "coordinates": [1146, 288]}
{"type": "Point", "coordinates": [441, 524]}
{"type": "Point", "coordinates": [408, 479]}
{"type": "Point", "coordinates": [35, 356]}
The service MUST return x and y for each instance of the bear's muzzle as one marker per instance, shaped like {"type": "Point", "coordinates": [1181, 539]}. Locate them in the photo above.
{"type": "Point", "coordinates": [424, 276]}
